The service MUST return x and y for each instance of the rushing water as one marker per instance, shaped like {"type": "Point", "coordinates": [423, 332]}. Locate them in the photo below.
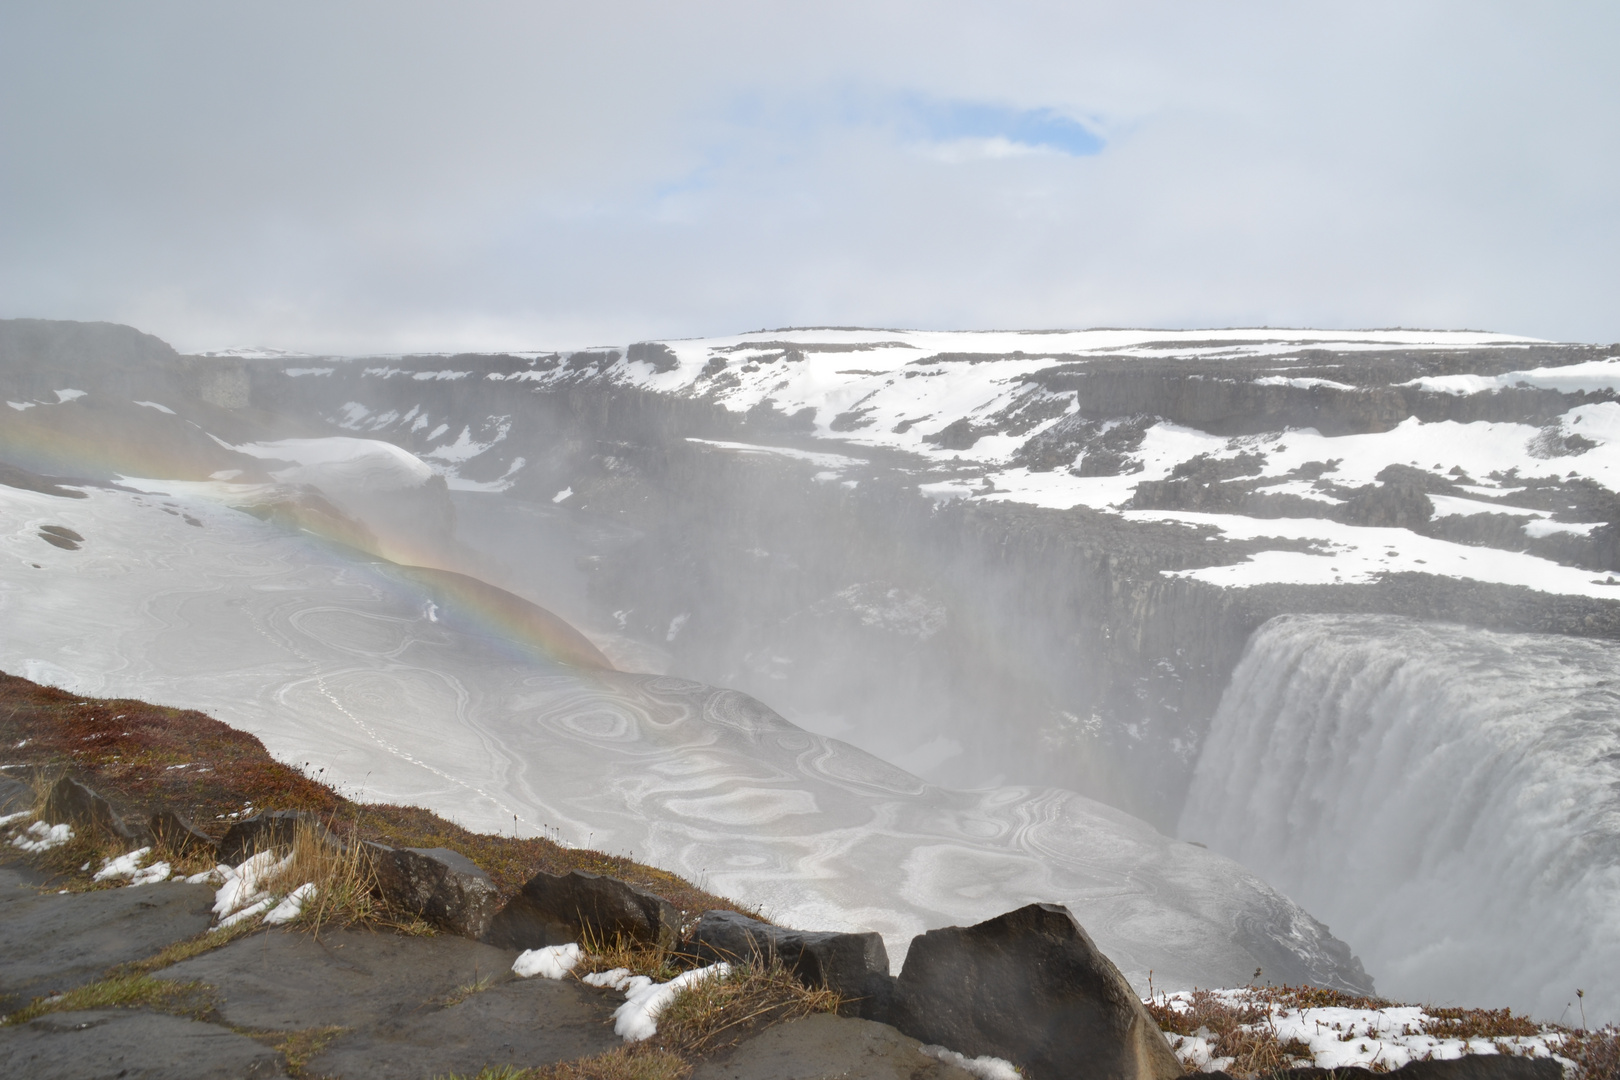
{"type": "Point", "coordinates": [1447, 799]}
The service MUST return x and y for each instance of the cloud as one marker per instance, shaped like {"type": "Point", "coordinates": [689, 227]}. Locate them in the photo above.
{"type": "Point", "coordinates": [364, 175]}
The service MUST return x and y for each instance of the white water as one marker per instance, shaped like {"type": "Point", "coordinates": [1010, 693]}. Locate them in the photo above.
{"type": "Point", "coordinates": [1447, 799]}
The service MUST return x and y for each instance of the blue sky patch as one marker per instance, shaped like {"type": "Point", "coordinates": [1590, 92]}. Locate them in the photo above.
{"type": "Point", "coordinates": [1046, 129]}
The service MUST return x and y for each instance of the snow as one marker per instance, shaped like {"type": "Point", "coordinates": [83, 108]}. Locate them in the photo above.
{"type": "Point", "coordinates": [65, 396]}
{"type": "Point", "coordinates": [1456, 506]}
{"type": "Point", "coordinates": [1591, 376]}
{"type": "Point", "coordinates": [563, 495]}
{"type": "Point", "coordinates": [297, 372]}
{"type": "Point", "coordinates": [1357, 554]}
{"type": "Point", "coordinates": [637, 1018]}
{"type": "Point", "coordinates": [244, 884]}
{"type": "Point", "coordinates": [834, 462]}
{"type": "Point", "coordinates": [1541, 527]}
{"type": "Point", "coordinates": [258, 907]}
{"type": "Point", "coordinates": [42, 837]}
{"type": "Point", "coordinates": [1341, 1037]}
{"type": "Point", "coordinates": [129, 866]}
{"type": "Point", "coordinates": [984, 1067]}
{"type": "Point", "coordinates": [342, 462]}
{"type": "Point", "coordinates": [155, 405]}
{"type": "Point", "coordinates": [22, 405]}
{"type": "Point", "coordinates": [292, 906]}
{"type": "Point", "coordinates": [551, 962]}
{"type": "Point", "coordinates": [20, 815]}
{"type": "Point", "coordinates": [1302, 384]}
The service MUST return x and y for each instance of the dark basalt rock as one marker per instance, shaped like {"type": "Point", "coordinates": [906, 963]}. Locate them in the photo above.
{"type": "Point", "coordinates": [271, 829]}
{"type": "Point", "coordinates": [70, 801]}
{"type": "Point", "coordinates": [444, 887]}
{"type": "Point", "coordinates": [176, 833]}
{"type": "Point", "coordinates": [15, 796]}
{"type": "Point", "coordinates": [1030, 987]}
{"type": "Point", "coordinates": [659, 355]}
{"type": "Point", "coordinates": [855, 965]}
{"type": "Point", "coordinates": [554, 910]}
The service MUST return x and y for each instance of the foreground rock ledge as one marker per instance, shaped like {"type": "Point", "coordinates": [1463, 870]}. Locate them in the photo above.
{"type": "Point", "coordinates": [1030, 987]}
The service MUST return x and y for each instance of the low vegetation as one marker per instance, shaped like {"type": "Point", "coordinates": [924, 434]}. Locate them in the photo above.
{"type": "Point", "coordinates": [120, 992]}
{"type": "Point", "coordinates": [1241, 1026]}
{"type": "Point", "coordinates": [625, 1063]}
{"type": "Point", "coordinates": [717, 1012]}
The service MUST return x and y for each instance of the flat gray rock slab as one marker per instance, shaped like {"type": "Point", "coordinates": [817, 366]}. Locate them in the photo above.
{"type": "Point", "coordinates": [288, 980]}
{"type": "Point", "coordinates": [827, 1047]}
{"type": "Point", "coordinates": [113, 1043]}
{"type": "Point", "coordinates": [51, 942]}
{"type": "Point", "coordinates": [522, 1023]}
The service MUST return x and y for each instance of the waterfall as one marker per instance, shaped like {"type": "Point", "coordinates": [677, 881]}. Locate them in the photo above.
{"type": "Point", "coordinates": [1447, 799]}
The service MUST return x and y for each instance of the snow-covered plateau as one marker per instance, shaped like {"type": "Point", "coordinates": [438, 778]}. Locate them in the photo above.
{"type": "Point", "coordinates": [998, 616]}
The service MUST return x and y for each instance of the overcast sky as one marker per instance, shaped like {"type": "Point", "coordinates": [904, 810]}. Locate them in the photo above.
{"type": "Point", "coordinates": [348, 177]}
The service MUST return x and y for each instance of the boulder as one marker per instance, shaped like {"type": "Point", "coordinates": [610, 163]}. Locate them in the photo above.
{"type": "Point", "coordinates": [178, 835]}
{"type": "Point", "coordinates": [15, 796]}
{"type": "Point", "coordinates": [444, 887]}
{"type": "Point", "coordinates": [266, 830]}
{"type": "Point", "coordinates": [555, 909]}
{"type": "Point", "coordinates": [71, 802]}
{"type": "Point", "coordinates": [1030, 987]}
{"type": "Point", "coordinates": [855, 965]}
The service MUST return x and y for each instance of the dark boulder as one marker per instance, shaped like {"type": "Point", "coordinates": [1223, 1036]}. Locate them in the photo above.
{"type": "Point", "coordinates": [660, 356]}
{"type": "Point", "coordinates": [71, 802]}
{"type": "Point", "coordinates": [267, 830]}
{"type": "Point", "coordinates": [855, 965]}
{"type": "Point", "coordinates": [178, 835]}
{"type": "Point", "coordinates": [444, 887]}
{"type": "Point", "coordinates": [15, 796]}
{"type": "Point", "coordinates": [1032, 988]}
{"type": "Point", "coordinates": [554, 910]}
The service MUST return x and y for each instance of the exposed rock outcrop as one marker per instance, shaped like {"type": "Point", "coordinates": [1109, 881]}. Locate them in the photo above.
{"type": "Point", "coordinates": [72, 802]}
{"type": "Point", "coordinates": [555, 909]}
{"type": "Point", "coordinates": [1030, 987]}
{"type": "Point", "coordinates": [854, 965]}
{"type": "Point", "coordinates": [444, 887]}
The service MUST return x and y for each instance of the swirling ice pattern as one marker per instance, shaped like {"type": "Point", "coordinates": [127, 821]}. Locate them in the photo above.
{"type": "Point", "coordinates": [1449, 796]}
{"type": "Point", "coordinates": [338, 664]}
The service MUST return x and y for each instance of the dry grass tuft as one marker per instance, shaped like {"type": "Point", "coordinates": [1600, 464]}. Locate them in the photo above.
{"type": "Point", "coordinates": [716, 1012]}
{"type": "Point", "coordinates": [1477, 1023]}
{"type": "Point", "coordinates": [1239, 1029]}
{"type": "Point", "coordinates": [120, 992]}
{"type": "Point", "coordinates": [297, 1047]}
{"type": "Point", "coordinates": [1596, 1054]}
{"type": "Point", "coordinates": [637, 1062]}
{"type": "Point", "coordinates": [637, 957]}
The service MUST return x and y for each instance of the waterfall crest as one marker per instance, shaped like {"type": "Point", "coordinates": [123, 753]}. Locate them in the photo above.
{"type": "Point", "coordinates": [1447, 799]}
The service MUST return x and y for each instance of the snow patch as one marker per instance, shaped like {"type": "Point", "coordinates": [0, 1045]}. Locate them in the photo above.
{"type": "Point", "coordinates": [551, 962]}
{"type": "Point", "coordinates": [984, 1067]}
{"type": "Point", "coordinates": [637, 1018]}
{"type": "Point", "coordinates": [293, 906]}
{"type": "Point", "coordinates": [42, 837]}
